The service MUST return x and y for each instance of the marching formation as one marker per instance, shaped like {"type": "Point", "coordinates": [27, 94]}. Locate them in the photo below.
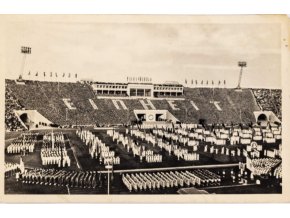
{"type": "Point", "coordinates": [25, 143]}
{"type": "Point", "coordinates": [11, 168]}
{"type": "Point", "coordinates": [52, 156]}
{"type": "Point", "coordinates": [164, 140]}
{"type": "Point", "coordinates": [80, 179]}
{"type": "Point", "coordinates": [184, 142]}
{"type": "Point", "coordinates": [263, 166]}
{"type": "Point", "coordinates": [138, 150]}
{"type": "Point", "coordinates": [97, 148]}
{"type": "Point", "coordinates": [278, 172]}
{"type": "Point", "coordinates": [157, 180]}
{"type": "Point", "coordinates": [53, 151]}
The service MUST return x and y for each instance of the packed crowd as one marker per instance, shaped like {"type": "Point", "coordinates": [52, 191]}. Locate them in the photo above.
{"type": "Point", "coordinates": [97, 148]}
{"type": "Point", "coordinates": [156, 180]}
{"type": "Point", "coordinates": [48, 99]}
{"type": "Point", "coordinates": [12, 122]}
{"type": "Point", "coordinates": [269, 100]}
{"type": "Point", "coordinates": [81, 179]}
{"type": "Point", "coordinates": [23, 144]}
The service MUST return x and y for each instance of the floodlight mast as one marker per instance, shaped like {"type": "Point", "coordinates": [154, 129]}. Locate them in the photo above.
{"type": "Point", "coordinates": [241, 64]}
{"type": "Point", "coordinates": [24, 50]}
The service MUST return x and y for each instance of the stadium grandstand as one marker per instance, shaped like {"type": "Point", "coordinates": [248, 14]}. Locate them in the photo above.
{"type": "Point", "coordinates": [101, 104]}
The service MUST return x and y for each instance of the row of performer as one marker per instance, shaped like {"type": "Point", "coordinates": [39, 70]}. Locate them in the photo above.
{"type": "Point", "coordinates": [223, 150]}
{"type": "Point", "coordinates": [81, 179]}
{"type": "Point", "coordinates": [218, 137]}
{"type": "Point", "coordinates": [55, 156]}
{"type": "Point", "coordinates": [278, 172]}
{"type": "Point", "coordinates": [141, 150]}
{"type": "Point", "coordinates": [97, 148]}
{"type": "Point", "coordinates": [156, 180]}
{"type": "Point", "coordinates": [178, 151]}
{"type": "Point", "coordinates": [22, 144]}
{"type": "Point", "coordinates": [56, 137]}
{"type": "Point", "coordinates": [138, 150]}
{"type": "Point", "coordinates": [17, 148]}
{"type": "Point", "coordinates": [11, 168]}
{"type": "Point", "coordinates": [155, 158]}
{"type": "Point", "coordinates": [263, 166]}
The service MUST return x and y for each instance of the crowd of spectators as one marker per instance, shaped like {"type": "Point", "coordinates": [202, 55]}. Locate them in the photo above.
{"type": "Point", "coordinates": [269, 100]}
{"type": "Point", "coordinates": [48, 99]}
{"type": "Point", "coordinates": [12, 122]}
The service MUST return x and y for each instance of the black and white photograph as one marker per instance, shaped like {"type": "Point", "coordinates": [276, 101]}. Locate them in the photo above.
{"type": "Point", "coordinates": [144, 106]}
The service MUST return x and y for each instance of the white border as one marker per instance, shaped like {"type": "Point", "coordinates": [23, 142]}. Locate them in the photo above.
{"type": "Point", "coordinates": [145, 7]}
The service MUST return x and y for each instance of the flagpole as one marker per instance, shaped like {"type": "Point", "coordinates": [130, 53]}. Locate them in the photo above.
{"type": "Point", "coordinates": [22, 66]}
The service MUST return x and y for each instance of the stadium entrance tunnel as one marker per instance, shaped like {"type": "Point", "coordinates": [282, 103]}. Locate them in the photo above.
{"type": "Point", "coordinates": [262, 118]}
{"type": "Point", "coordinates": [33, 119]}
{"type": "Point", "coordinates": [266, 116]}
{"type": "Point", "coordinates": [24, 118]}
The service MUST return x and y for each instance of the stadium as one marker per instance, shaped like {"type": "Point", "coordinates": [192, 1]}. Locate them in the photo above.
{"type": "Point", "coordinates": [164, 107]}
{"type": "Point", "coordinates": [74, 136]}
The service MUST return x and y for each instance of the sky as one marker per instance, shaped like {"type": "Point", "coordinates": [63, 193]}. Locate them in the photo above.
{"type": "Point", "coordinates": [111, 52]}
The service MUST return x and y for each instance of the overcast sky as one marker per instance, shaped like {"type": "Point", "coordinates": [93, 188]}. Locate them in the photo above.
{"type": "Point", "coordinates": [164, 52]}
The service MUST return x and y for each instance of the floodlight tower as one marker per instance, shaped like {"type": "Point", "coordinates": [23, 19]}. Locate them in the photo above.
{"type": "Point", "coordinates": [24, 51]}
{"type": "Point", "coordinates": [241, 64]}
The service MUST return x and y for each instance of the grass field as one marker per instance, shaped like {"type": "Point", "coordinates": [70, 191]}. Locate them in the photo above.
{"type": "Point", "coordinates": [81, 160]}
